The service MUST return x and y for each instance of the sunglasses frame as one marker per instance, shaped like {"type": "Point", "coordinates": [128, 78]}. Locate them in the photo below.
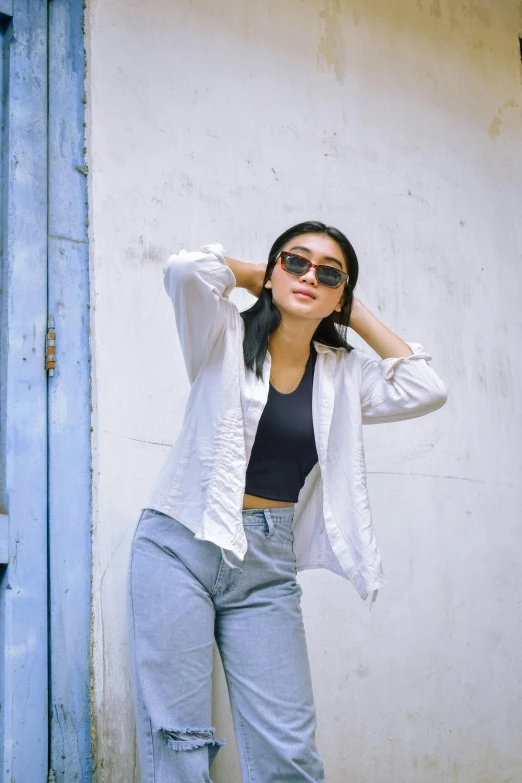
{"type": "Point", "coordinates": [283, 255]}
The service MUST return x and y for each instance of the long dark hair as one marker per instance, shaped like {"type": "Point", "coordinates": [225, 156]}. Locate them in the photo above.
{"type": "Point", "coordinates": [263, 317]}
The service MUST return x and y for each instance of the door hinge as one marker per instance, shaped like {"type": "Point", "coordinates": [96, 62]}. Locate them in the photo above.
{"type": "Point", "coordinates": [50, 346]}
{"type": "Point", "coordinates": [51, 777]}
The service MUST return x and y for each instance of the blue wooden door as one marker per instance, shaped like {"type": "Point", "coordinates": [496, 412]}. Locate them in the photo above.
{"type": "Point", "coordinates": [44, 417]}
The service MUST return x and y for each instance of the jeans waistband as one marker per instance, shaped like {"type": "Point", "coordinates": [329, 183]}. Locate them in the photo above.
{"type": "Point", "coordinates": [279, 514]}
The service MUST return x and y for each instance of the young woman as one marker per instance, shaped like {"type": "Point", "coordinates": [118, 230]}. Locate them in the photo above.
{"type": "Point", "coordinates": [267, 477]}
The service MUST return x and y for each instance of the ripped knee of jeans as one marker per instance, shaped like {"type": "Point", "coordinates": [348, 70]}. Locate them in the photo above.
{"type": "Point", "coordinates": [191, 739]}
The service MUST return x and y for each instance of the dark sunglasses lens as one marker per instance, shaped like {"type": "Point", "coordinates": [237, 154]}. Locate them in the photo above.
{"type": "Point", "coordinates": [328, 276]}
{"type": "Point", "coordinates": [296, 265]}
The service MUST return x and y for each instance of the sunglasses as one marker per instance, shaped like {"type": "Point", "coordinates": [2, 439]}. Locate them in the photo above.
{"type": "Point", "coordinates": [326, 275]}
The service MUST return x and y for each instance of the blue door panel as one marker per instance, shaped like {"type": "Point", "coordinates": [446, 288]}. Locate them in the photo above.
{"type": "Point", "coordinates": [69, 404]}
{"type": "Point", "coordinates": [23, 441]}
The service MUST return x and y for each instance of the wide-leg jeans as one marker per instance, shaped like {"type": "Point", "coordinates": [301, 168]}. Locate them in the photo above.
{"type": "Point", "coordinates": [183, 594]}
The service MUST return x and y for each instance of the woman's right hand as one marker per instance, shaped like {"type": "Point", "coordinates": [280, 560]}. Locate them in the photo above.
{"type": "Point", "coordinates": [248, 276]}
{"type": "Point", "coordinates": [256, 287]}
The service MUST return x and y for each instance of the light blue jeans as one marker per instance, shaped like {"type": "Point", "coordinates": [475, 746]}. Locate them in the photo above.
{"type": "Point", "coordinates": [183, 595]}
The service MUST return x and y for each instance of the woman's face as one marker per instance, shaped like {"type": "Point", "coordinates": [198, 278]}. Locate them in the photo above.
{"type": "Point", "coordinates": [287, 288]}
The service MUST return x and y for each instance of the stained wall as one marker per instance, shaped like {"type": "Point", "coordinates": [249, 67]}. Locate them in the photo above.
{"type": "Point", "coordinates": [400, 124]}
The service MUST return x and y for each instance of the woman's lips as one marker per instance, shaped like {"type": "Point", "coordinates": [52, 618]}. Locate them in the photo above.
{"type": "Point", "coordinates": [303, 295]}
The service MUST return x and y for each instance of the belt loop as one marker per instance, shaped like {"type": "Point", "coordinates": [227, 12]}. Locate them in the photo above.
{"type": "Point", "coordinates": [269, 522]}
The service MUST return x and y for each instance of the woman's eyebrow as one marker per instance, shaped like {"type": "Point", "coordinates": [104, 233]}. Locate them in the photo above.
{"type": "Point", "coordinates": [326, 258]}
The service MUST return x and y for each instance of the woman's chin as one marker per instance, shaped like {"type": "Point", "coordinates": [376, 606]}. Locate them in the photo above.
{"type": "Point", "coordinates": [300, 311]}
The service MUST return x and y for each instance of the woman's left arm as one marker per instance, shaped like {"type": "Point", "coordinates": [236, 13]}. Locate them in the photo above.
{"type": "Point", "coordinates": [376, 334]}
{"type": "Point", "coordinates": [401, 385]}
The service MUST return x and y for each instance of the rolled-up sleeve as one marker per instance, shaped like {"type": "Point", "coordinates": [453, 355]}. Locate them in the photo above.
{"type": "Point", "coordinates": [198, 284]}
{"type": "Point", "coordinates": [401, 388]}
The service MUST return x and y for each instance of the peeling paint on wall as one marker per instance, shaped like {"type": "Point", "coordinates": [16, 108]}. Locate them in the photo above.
{"type": "Point", "coordinates": [435, 9]}
{"type": "Point", "coordinates": [331, 51]}
{"type": "Point", "coordinates": [495, 126]}
{"type": "Point", "coordinates": [481, 13]}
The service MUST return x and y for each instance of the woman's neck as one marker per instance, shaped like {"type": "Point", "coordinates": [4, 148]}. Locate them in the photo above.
{"type": "Point", "coordinates": [290, 347]}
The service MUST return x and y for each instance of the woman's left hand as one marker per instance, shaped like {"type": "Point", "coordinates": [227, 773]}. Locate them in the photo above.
{"type": "Point", "coordinates": [383, 341]}
{"type": "Point", "coordinates": [356, 312]}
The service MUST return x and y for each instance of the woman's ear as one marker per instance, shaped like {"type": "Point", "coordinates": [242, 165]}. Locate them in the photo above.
{"type": "Point", "coordinates": [268, 283]}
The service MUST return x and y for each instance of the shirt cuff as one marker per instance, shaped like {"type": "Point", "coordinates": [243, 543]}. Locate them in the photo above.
{"type": "Point", "coordinates": [389, 365]}
{"type": "Point", "coordinates": [226, 276]}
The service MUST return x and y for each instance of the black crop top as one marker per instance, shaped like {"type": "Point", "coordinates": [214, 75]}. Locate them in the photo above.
{"type": "Point", "coordinates": [284, 449]}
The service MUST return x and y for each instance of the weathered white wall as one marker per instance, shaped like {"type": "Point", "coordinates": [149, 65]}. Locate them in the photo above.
{"type": "Point", "coordinates": [400, 123]}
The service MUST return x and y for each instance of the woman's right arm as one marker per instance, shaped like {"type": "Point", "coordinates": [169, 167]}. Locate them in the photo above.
{"type": "Point", "coordinates": [249, 276]}
{"type": "Point", "coordinates": [199, 284]}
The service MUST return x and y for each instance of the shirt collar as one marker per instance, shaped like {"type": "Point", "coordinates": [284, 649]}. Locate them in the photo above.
{"type": "Point", "coordinates": [321, 348]}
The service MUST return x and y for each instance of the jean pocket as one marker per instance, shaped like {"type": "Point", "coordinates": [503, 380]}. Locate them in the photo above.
{"type": "Point", "coordinates": [284, 533]}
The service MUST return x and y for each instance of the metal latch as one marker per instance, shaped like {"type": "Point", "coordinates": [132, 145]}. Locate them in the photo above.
{"type": "Point", "coordinates": [50, 346]}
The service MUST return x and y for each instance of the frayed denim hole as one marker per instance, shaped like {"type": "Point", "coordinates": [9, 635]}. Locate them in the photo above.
{"type": "Point", "coordinates": [191, 739]}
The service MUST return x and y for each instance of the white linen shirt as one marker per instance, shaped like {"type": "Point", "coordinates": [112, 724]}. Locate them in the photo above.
{"type": "Point", "coordinates": [203, 480]}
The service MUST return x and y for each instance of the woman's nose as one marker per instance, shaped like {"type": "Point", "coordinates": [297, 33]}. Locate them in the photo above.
{"type": "Point", "coordinates": [310, 276]}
